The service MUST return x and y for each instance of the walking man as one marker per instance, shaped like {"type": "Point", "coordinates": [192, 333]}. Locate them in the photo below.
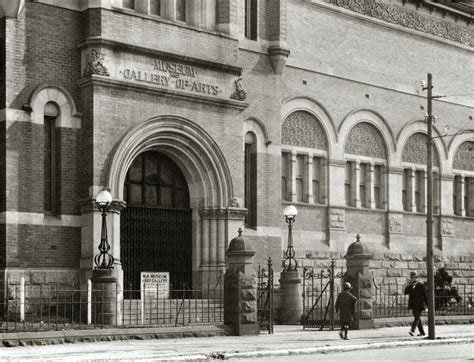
{"type": "Point", "coordinates": [345, 303]}
{"type": "Point", "coordinates": [417, 301]}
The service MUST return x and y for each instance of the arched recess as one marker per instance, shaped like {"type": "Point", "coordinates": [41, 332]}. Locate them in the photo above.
{"type": "Point", "coordinates": [206, 172]}
{"type": "Point", "coordinates": [197, 154]}
{"type": "Point", "coordinates": [456, 142]}
{"type": "Point", "coordinates": [318, 111]}
{"type": "Point", "coordinates": [45, 93]}
{"type": "Point", "coordinates": [420, 127]}
{"type": "Point", "coordinates": [374, 119]}
{"type": "Point", "coordinates": [257, 127]}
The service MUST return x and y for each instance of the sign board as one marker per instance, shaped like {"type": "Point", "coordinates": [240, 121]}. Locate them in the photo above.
{"type": "Point", "coordinates": [155, 284]}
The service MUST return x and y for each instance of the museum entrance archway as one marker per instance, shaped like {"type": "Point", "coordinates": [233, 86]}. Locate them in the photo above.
{"type": "Point", "coordinates": [156, 225]}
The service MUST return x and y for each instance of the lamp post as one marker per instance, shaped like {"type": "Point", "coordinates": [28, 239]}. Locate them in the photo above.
{"type": "Point", "coordinates": [104, 260]}
{"type": "Point", "coordinates": [290, 263]}
{"type": "Point", "coordinates": [290, 281]}
{"type": "Point", "coordinates": [429, 211]}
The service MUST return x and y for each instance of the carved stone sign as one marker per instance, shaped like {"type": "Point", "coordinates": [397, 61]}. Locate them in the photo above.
{"type": "Point", "coordinates": [395, 223]}
{"type": "Point", "coordinates": [155, 284]}
{"type": "Point", "coordinates": [171, 74]}
{"type": "Point", "coordinates": [447, 227]}
{"type": "Point", "coordinates": [337, 219]}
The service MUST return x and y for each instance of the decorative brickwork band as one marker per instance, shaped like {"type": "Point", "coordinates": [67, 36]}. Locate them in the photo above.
{"type": "Point", "coordinates": [95, 60]}
{"type": "Point", "coordinates": [408, 19]}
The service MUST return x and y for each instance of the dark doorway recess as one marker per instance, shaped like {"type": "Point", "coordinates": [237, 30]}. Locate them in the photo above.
{"type": "Point", "coordinates": [156, 225]}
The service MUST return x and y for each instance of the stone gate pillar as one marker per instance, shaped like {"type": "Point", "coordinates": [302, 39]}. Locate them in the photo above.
{"type": "Point", "coordinates": [240, 288]}
{"type": "Point", "coordinates": [358, 258]}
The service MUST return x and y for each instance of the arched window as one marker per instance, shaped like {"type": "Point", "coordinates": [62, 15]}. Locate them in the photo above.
{"type": "Point", "coordinates": [303, 159]}
{"type": "Point", "coordinates": [414, 189]}
{"type": "Point", "coordinates": [463, 188]}
{"type": "Point", "coordinates": [154, 180]}
{"type": "Point", "coordinates": [366, 161]}
{"type": "Point", "coordinates": [250, 178]}
{"type": "Point", "coordinates": [251, 7]}
{"type": "Point", "coordinates": [51, 113]}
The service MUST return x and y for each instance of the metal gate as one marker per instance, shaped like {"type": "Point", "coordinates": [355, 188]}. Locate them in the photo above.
{"type": "Point", "coordinates": [265, 297]}
{"type": "Point", "coordinates": [156, 239]}
{"type": "Point", "coordinates": [319, 295]}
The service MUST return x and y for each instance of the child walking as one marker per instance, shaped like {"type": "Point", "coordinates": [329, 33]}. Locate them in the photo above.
{"type": "Point", "coordinates": [345, 303]}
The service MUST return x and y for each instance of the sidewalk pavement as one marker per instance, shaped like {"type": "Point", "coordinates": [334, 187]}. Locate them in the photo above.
{"type": "Point", "coordinates": [286, 340]}
{"type": "Point", "coordinates": [290, 340]}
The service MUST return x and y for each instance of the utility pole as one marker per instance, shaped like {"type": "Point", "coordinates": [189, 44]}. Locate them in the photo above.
{"type": "Point", "coordinates": [429, 213]}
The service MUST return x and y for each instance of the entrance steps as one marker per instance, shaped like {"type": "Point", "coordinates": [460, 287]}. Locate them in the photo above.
{"type": "Point", "coordinates": [172, 311]}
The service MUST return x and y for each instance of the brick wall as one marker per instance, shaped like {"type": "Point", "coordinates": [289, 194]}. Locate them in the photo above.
{"type": "Point", "coordinates": [3, 63]}
{"type": "Point", "coordinates": [25, 167]}
{"type": "Point", "coordinates": [34, 246]}
{"type": "Point", "coordinates": [45, 51]}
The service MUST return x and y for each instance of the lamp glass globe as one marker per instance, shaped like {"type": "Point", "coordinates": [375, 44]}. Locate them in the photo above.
{"type": "Point", "coordinates": [290, 212]}
{"type": "Point", "coordinates": [103, 198]}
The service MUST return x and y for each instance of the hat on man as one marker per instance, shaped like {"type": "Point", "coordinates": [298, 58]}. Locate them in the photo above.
{"type": "Point", "coordinates": [347, 286]}
{"type": "Point", "coordinates": [413, 274]}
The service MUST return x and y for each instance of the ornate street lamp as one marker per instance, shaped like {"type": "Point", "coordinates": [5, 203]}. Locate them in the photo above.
{"type": "Point", "coordinates": [104, 260]}
{"type": "Point", "coordinates": [290, 263]}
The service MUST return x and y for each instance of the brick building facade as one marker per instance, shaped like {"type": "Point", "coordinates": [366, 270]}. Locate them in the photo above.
{"type": "Point", "coordinates": [232, 110]}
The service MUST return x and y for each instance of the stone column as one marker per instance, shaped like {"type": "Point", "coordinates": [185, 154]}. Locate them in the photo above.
{"type": "Point", "coordinates": [240, 288]}
{"type": "Point", "coordinates": [355, 184]}
{"type": "Point", "coordinates": [358, 274]}
{"type": "Point", "coordinates": [291, 297]}
{"type": "Point", "coordinates": [106, 297]}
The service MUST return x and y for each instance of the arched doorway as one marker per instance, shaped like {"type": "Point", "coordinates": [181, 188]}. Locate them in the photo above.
{"type": "Point", "coordinates": [156, 225]}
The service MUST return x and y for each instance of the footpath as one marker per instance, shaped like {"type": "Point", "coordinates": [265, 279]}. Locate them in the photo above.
{"type": "Point", "coordinates": [285, 341]}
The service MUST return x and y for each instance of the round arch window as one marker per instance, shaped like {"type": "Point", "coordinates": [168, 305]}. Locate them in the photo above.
{"type": "Point", "coordinates": [154, 180]}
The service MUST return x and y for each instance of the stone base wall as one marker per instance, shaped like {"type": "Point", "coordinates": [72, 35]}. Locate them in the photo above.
{"type": "Point", "coordinates": [393, 268]}
{"type": "Point", "coordinates": [48, 280]}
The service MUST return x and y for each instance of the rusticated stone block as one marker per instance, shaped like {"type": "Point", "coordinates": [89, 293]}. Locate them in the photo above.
{"type": "Point", "coordinates": [365, 293]}
{"type": "Point", "coordinates": [248, 318]}
{"type": "Point", "coordinates": [38, 278]}
{"type": "Point", "coordinates": [366, 314]}
{"type": "Point", "coordinates": [248, 294]}
{"type": "Point", "coordinates": [248, 282]}
{"type": "Point", "coordinates": [394, 257]}
{"type": "Point", "coordinates": [393, 273]}
{"type": "Point", "coordinates": [248, 307]}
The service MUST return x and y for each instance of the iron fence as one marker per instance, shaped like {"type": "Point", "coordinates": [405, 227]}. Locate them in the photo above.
{"type": "Point", "coordinates": [265, 294]}
{"type": "Point", "coordinates": [390, 300]}
{"type": "Point", "coordinates": [320, 290]}
{"type": "Point", "coordinates": [42, 308]}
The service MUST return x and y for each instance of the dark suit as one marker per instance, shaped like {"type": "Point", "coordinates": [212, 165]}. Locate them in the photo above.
{"type": "Point", "coordinates": [416, 302]}
{"type": "Point", "coordinates": [345, 303]}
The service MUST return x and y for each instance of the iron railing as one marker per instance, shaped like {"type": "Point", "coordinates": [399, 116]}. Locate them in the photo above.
{"type": "Point", "coordinates": [390, 300]}
{"type": "Point", "coordinates": [41, 308]}
{"type": "Point", "coordinates": [320, 290]}
{"type": "Point", "coordinates": [265, 294]}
